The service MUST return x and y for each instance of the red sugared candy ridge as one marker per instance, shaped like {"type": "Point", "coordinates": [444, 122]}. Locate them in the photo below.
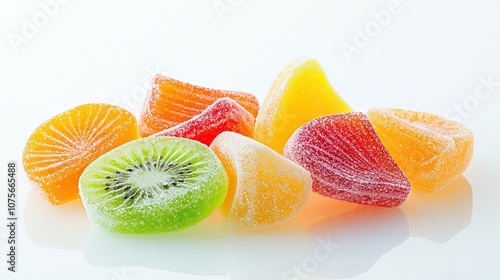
{"type": "Point", "coordinates": [224, 114]}
{"type": "Point", "coordinates": [347, 160]}
{"type": "Point", "coordinates": [171, 102]}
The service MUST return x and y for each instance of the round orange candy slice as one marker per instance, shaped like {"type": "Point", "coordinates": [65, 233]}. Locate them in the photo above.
{"type": "Point", "coordinates": [58, 150]}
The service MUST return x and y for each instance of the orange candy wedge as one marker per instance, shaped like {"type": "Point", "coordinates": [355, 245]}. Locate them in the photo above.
{"type": "Point", "coordinates": [171, 102]}
{"type": "Point", "coordinates": [431, 150]}
{"type": "Point", "coordinates": [58, 150]}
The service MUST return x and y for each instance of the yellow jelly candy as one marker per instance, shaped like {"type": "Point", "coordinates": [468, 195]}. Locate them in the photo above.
{"type": "Point", "coordinates": [431, 150]}
{"type": "Point", "coordinates": [300, 93]}
{"type": "Point", "coordinates": [265, 188]}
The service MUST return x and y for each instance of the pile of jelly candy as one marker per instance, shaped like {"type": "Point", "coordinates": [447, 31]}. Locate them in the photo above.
{"type": "Point", "coordinates": [304, 137]}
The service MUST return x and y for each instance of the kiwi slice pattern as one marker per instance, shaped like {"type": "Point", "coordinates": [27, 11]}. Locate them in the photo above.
{"type": "Point", "coordinates": [153, 185]}
{"type": "Point", "coordinates": [129, 183]}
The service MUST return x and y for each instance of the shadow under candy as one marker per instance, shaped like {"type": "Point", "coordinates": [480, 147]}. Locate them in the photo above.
{"type": "Point", "coordinates": [442, 215]}
{"type": "Point", "coordinates": [333, 247]}
{"type": "Point", "coordinates": [320, 207]}
{"type": "Point", "coordinates": [55, 226]}
{"type": "Point", "coordinates": [198, 250]}
{"type": "Point", "coordinates": [350, 243]}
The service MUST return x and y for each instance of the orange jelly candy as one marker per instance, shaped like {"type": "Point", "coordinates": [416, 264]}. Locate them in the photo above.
{"type": "Point", "coordinates": [265, 188]}
{"type": "Point", "coordinates": [171, 102]}
{"type": "Point", "coordinates": [58, 150]}
{"type": "Point", "coordinates": [431, 150]}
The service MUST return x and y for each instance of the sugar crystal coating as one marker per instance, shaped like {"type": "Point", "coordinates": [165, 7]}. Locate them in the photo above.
{"type": "Point", "coordinates": [153, 185]}
{"type": "Point", "coordinates": [171, 102]}
{"type": "Point", "coordinates": [265, 188]}
{"type": "Point", "coordinates": [58, 150]}
{"type": "Point", "coordinates": [347, 161]}
{"type": "Point", "coordinates": [300, 93]}
{"type": "Point", "coordinates": [431, 150]}
{"type": "Point", "coordinates": [224, 114]}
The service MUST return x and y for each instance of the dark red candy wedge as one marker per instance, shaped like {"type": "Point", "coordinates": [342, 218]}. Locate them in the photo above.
{"type": "Point", "coordinates": [347, 161]}
{"type": "Point", "coordinates": [224, 114]}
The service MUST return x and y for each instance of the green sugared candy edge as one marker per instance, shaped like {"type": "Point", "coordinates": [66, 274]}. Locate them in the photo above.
{"type": "Point", "coordinates": [179, 213]}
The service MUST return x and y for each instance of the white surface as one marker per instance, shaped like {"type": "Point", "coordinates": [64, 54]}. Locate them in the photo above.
{"type": "Point", "coordinates": [429, 57]}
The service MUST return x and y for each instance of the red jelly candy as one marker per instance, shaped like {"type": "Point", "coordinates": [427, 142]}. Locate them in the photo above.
{"type": "Point", "coordinates": [171, 102]}
{"type": "Point", "coordinates": [347, 161]}
{"type": "Point", "coordinates": [224, 114]}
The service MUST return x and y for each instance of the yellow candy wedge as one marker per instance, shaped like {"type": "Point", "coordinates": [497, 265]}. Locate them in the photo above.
{"type": "Point", "coordinates": [265, 188]}
{"type": "Point", "coordinates": [300, 93]}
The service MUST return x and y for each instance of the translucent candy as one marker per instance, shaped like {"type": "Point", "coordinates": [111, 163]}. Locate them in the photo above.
{"type": "Point", "coordinates": [223, 115]}
{"type": "Point", "coordinates": [265, 188]}
{"type": "Point", "coordinates": [58, 150]}
{"type": "Point", "coordinates": [171, 102]}
{"type": "Point", "coordinates": [347, 161]}
{"type": "Point", "coordinates": [300, 93]}
{"type": "Point", "coordinates": [153, 185]}
{"type": "Point", "coordinates": [431, 150]}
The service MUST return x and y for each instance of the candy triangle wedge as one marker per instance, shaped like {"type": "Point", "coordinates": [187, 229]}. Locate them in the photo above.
{"type": "Point", "coordinates": [171, 102]}
{"type": "Point", "coordinates": [265, 188]}
{"type": "Point", "coordinates": [300, 93]}
{"type": "Point", "coordinates": [347, 161]}
{"type": "Point", "coordinates": [431, 150]}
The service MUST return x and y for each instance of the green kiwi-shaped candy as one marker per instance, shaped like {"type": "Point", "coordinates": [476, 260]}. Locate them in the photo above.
{"type": "Point", "coordinates": [153, 185]}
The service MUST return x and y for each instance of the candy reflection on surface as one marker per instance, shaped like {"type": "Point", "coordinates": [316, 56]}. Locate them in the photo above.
{"type": "Point", "coordinates": [350, 243]}
{"type": "Point", "coordinates": [60, 227]}
{"type": "Point", "coordinates": [440, 216]}
{"type": "Point", "coordinates": [199, 250]}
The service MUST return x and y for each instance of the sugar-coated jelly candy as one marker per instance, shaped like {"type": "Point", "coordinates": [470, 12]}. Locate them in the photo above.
{"type": "Point", "coordinates": [300, 93]}
{"type": "Point", "coordinates": [154, 184]}
{"type": "Point", "coordinates": [224, 114]}
{"type": "Point", "coordinates": [265, 188]}
{"type": "Point", "coordinates": [171, 102]}
{"type": "Point", "coordinates": [347, 161]}
{"type": "Point", "coordinates": [60, 149]}
{"type": "Point", "coordinates": [431, 150]}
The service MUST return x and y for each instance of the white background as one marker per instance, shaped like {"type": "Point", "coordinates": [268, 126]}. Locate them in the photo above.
{"type": "Point", "coordinates": [430, 56]}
